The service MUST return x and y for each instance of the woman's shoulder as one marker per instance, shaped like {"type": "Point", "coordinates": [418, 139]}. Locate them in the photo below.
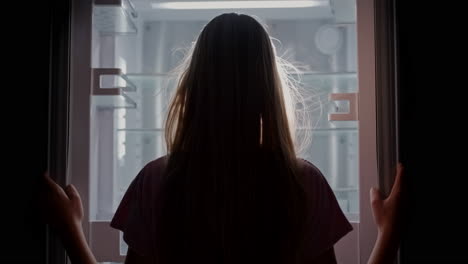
{"type": "Point", "coordinates": [156, 165]}
{"type": "Point", "coordinates": [313, 178]}
{"type": "Point", "coordinates": [152, 171]}
{"type": "Point", "coordinates": [309, 169]}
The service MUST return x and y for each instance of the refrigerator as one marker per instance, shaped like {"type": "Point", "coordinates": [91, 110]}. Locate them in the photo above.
{"type": "Point", "coordinates": [121, 59]}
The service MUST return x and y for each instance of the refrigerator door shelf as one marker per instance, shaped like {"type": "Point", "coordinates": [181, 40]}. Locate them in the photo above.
{"type": "Point", "coordinates": [352, 115]}
{"type": "Point", "coordinates": [114, 16]}
{"type": "Point", "coordinates": [108, 92]}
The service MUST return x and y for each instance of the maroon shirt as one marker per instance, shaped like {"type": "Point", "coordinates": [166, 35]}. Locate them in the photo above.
{"type": "Point", "coordinates": [325, 224]}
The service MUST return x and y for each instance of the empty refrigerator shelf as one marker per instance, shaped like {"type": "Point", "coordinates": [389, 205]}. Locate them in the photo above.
{"type": "Point", "coordinates": [156, 82]}
{"type": "Point", "coordinates": [114, 101]}
{"type": "Point", "coordinates": [109, 91]}
{"type": "Point", "coordinates": [114, 16]}
{"type": "Point", "coordinates": [319, 80]}
{"type": "Point", "coordinates": [141, 130]}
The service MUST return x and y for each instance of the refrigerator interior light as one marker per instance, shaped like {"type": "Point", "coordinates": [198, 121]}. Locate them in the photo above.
{"type": "Point", "coordinates": [238, 4]}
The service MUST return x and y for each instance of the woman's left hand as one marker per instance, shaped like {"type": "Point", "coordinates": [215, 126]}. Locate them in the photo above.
{"type": "Point", "coordinates": [63, 207]}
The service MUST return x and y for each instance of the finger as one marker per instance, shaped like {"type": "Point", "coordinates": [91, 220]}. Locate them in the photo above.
{"type": "Point", "coordinates": [375, 197]}
{"type": "Point", "coordinates": [47, 178]}
{"type": "Point", "coordinates": [72, 193]}
{"type": "Point", "coordinates": [51, 183]}
{"type": "Point", "coordinates": [52, 188]}
{"type": "Point", "coordinates": [396, 188]}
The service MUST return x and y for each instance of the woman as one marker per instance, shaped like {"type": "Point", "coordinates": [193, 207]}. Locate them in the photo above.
{"type": "Point", "coordinates": [231, 189]}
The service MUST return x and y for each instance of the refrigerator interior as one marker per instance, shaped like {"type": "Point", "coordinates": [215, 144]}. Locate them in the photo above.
{"type": "Point", "coordinates": [137, 45]}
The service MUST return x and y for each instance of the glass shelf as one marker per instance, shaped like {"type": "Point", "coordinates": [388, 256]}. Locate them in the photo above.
{"type": "Point", "coordinates": [339, 81]}
{"type": "Point", "coordinates": [306, 76]}
{"type": "Point", "coordinates": [328, 75]}
{"type": "Point", "coordinates": [153, 81]}
{"type": "Point", "coordinates": [114, 16]}
{"type": "Point", "coordinates": [114, 101]}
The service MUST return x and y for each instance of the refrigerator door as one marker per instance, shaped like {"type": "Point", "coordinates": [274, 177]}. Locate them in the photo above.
{"type": "Point", "coordinates": [122, 82]}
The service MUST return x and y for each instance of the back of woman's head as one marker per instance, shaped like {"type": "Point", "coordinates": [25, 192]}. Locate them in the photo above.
{"type": "Point", "coordinates": [231, 191]}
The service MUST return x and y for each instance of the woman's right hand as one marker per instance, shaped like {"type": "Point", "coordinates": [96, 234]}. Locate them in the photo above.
{"type": "Point", "coordinates": [387, 217]}
{"type": "Point", "coordinates": [63, 207]}
{"type": "Point", "coordinates": [387, 212]}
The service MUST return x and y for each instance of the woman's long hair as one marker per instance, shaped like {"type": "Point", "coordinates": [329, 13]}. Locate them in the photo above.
{"type": "Point", "coordinates": [232, 190]}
